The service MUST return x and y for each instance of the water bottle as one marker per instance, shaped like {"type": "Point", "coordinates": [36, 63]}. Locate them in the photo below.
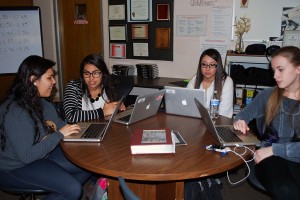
{"type": "Point", "coordinates": [214, 106]}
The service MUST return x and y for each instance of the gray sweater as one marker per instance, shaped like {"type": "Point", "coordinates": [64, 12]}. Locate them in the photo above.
{"type": "Point", "coordinates": [19, 134]}
{"type": "Point", "coordinates": [286, 122]}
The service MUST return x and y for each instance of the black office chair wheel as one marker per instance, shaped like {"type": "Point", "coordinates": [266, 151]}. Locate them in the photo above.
{"type": "Point", "coordinates": [23, 193]}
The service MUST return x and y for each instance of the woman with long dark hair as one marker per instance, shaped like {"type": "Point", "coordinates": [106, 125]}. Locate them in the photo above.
{"type": "Point", "coordinates": [211, 77]}
{"type": "Point", "coordinates": [31, 130]}
{"type": "Point", "coordinates": [94, 95]}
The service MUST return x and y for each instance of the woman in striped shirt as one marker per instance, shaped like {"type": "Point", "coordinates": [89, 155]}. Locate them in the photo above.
{"type": "Point", "coordinates": [94, 95]}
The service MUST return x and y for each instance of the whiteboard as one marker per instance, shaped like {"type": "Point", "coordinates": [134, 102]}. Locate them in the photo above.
{"type": "Point", "coordinates": [266, 17]}
{"type": "Point", "coordinates": [20, 36]}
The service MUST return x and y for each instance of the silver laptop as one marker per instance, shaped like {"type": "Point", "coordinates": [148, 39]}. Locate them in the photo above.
{"type": "Point", "coordinates": [93, 131]}
{"type": "Point", "coordinates": [180, 101]}
{"type": "Point", "coordinates": [225, 134]}
{"type": "Point", "coordinates": [145, 106]}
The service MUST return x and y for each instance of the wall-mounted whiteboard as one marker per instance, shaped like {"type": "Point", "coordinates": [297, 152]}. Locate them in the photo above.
{"type": "Point", "coordinates": [20, 36]}
{"type": "Point", "coordinates": [266, 17]}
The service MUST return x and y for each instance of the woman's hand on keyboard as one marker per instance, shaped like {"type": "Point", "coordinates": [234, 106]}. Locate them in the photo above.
{"type": "Point", "coordinates": [70, 129]}
{"type": "Point", "coordinates": [241, 126]}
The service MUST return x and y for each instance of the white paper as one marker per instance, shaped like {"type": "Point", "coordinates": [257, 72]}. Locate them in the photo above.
{"type": "Point", "coordinates": [139, 9]}
{"type": "Point", "coordinates": [191, 26]}
{"type": "Point", "coordinates": [221, 21]}
{"type": "Point", "coordinates": [220, 44]}
{"type": "Point", "coordinates": [140, 49]}
{"type": "Point", "coordinates": [116, 12]}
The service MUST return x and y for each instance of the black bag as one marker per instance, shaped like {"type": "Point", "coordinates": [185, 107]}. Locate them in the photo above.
{"type": "Point", "coordinates": [272, 49]}
{"type": "Point", "coordinates": [251, 75]}
{"type": "Point", "coordinates": [237, 73]}
{"type": "Point", "coordinates": [204, 189]}
{"type": "Point", "coordinates": [256, 49]}
{"type": "Point", "coordinates": [259, 76]}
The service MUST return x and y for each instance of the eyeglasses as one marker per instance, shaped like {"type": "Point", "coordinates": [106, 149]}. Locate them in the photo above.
{"type": "Point", "coordinates": [210, 66]}
{"type": "Point", "coordinates": [95, 74]}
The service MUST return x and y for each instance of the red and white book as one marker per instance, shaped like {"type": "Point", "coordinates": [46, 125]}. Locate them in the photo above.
{"type": "Point", "coordinates": [152, 141]}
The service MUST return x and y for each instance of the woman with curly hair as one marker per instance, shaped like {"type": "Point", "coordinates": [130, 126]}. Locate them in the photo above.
{"type": "Point", "coordinates": [31, 130]}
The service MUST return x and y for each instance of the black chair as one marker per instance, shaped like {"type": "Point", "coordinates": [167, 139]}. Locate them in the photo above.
{"type": "Point", "coordinates": [23, 193]}
{"type": "Point", "coordinates": [252, 179]}
{"type": "Point", "coordinates": [128, 194]}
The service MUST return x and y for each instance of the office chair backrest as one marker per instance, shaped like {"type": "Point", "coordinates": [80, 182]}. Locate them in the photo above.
{"type": "Point", "coordinates": [128, 194]}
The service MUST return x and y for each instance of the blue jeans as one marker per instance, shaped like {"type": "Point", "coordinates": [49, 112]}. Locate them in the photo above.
{"type": "Point", "coordinates": [54, 174]}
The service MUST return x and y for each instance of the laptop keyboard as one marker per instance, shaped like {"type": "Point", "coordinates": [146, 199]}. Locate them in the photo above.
{"type": "Point", "coordinates": [94, 131]}
{"type": "Point", "coordinates": [125, 118]}
{"type": "Point", "coordinates": [227, 135]}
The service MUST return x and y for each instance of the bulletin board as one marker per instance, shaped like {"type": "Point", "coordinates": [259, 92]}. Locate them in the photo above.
{"type": "Point", "coordinates": [144, 35]}
{"type": "Point", "coordinates": [266, 17]}
{"type": "Point", "coordinates": [20, 36]}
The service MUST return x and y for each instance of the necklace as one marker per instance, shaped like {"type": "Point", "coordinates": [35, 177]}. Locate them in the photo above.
{"type": "Point", "coordinates": [93, 99]}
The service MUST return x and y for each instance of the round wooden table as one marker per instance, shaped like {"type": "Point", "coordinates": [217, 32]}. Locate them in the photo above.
{"type": "Point", "coordinates": [150, 175]}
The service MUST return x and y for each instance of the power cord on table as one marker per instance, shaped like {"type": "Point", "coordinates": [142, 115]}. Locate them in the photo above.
{"type": "Point", "coordinates": [226, 150]}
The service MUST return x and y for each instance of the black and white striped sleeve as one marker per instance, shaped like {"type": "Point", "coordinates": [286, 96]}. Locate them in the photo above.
{"type": "Point", "coordinates": [73, 105]}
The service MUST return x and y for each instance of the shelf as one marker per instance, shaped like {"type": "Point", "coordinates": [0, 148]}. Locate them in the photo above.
{"type": "Point", "coordinates": [258, 61]}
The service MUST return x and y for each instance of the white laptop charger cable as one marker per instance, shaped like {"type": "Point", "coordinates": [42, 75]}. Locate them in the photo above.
{"type": "Point", "coordinates": [225, 150]}
{"type": "Point", "coordinates": [245, 161]}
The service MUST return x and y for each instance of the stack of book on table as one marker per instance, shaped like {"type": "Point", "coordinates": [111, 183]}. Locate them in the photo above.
{"type": "Point", "coordinates": [154, 141]}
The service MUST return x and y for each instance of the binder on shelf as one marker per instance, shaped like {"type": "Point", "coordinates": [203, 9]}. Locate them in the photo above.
{"type": "Point", "coordinates": [146, 70]}
{"type": "Point", "coordinates": [244, 94]}
{"type": "Point", "coordinates": [123, 69]}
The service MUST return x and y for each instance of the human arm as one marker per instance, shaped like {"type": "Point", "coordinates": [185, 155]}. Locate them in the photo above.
{"type": "Point", "coordinates": [241, 125]}
{"type": "Point", "coordinates": [20, 130]}
{"type": "Point", "coordinates": [262, 153]}
{"type": "Point", "coordinates": [109, 108]}
{"type": "Point", "coordinates": [289, 151]}
{"type": "Point", "coordinates": [226, 100]}
{"type": "Point", "coordinates": [256, 109]}
{"type": "Point", "coordinates": [73, 105]}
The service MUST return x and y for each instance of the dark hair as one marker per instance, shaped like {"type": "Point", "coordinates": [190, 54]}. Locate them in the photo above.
{"type": "Point", "coordinates": [25, 94]}
{"type": "Point", "coordinates": [107, 82]}
{"type": "Point", "coordinates": [220, 74]}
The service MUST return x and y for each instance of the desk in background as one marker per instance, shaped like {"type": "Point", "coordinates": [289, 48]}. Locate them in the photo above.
{"type": "Point", "coordinates": [153, 176]}
{"type": "Point", "coordinates": [145, 86]}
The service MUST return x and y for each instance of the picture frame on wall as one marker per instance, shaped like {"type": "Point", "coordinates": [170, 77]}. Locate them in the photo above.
{"type": "Point", "coordinates": [140, 49]}
{"type": "Point", "coordinates": [139, 10]}
{"type": "Point", "coordinates": [163, 12]}
{"type": "Point", "coordinates": [117, 32]}
{"type": "Point", "coordinates": [139, 31]}
{"type": "Point", "coordinates": [162, 38]}
{"type": "Point", "coordinates": [116, 12]}
{"type": "Point", "coordinates": [117, 50]}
